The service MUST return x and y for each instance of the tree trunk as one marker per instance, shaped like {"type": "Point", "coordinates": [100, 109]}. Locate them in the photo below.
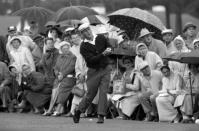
{"type": "Point", "coordinates": [167, 7]}
{"type": "Point", "coordinates": [178, 23]}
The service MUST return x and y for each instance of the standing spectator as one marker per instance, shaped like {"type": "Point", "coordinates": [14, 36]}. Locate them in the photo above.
{"type": "Point", "coordinates": [3, 53]}
{"type": "Point", "coordinates": [49, 59]}
{"type": "Point", "coordinates": [21, 55]}
{"type": "Point", "coordinates": [38, 51]}
{"type": "Point", "coordinates": [5, 90]}
{"type": "Point", "coordinates": [178, 67]}
{"type": "Point", "coordinates": [153, 44]}
{"type": "Point", "coordinates": [154, 61]}
{"type": "Point", "coordinates": [189, 32]}
{"type": "Point", "coordinates": [94, 49]}
{"type": "Point", "coordinates": [167, 36]}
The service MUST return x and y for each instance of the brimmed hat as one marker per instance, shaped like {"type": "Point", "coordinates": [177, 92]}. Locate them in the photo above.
{"type": "Point", "coordinates": [83, 26]}
{"type": "Point", "coordinates": [102, 30]}
{"type": "Point", "coordinates": [38, 37]}
{"type": "Point", "coordinates": [167, 31]}
{"type": "Point", "coordinates": [187, 25]}
{"type": "Point", "coordinates": [69, 29]}
{"type": "Point", "coordinates": [12, 28]}
{"type": "Point", "coordinates": [142, 65]}
{"type": "Point", "coordinates": [145, 32]}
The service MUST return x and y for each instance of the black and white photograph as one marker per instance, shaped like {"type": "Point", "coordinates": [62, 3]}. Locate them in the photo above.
{"type": "Point", "coordinates": [99, 65]}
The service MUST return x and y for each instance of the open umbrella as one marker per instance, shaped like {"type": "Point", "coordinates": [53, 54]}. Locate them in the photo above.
{"type": "Point", "coordinates": [73, 12]}
{"type": "Point", "coordinates": [185, 57]}
{"type": "Point", "coordinates": [95, 19]}
{"type": "Point", "coordinates": [132, 20]}
{"type": "Point", "coordinates": [69, 23]}
{"type": "Point", "coordinates": [38, 14]}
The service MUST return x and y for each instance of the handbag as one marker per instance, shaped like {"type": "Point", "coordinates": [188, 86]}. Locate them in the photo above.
{"type": "Point", "coordinates": [118, 87]}
{"type": "Point", "coordinates": [78, 91]}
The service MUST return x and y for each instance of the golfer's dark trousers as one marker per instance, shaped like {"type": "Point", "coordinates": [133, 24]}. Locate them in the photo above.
{"type": "Point", "coordinates": [96, 79]}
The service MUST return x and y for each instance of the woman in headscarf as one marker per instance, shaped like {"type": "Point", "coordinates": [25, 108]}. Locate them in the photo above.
{"type": "Point", "coordinates": [178, 67]}
{"type": "Point", "coordinates": [143, 54]}
{"type": "Point", "coordinates": [65, 78]}
{"type": "Point", "coordinates": [20, 54]}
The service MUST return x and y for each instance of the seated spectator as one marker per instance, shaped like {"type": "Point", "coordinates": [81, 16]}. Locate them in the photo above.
{"type": "Point", "coordinates": [172, 85]}
{"type": "Point", "coordinates": [36, 90]}
{"type": "Point", "coordinates": [5, 90]}
{"type": "Point", "coordinates": [127, 102]}
{"type": "Point", "coordinates": [151, 83]}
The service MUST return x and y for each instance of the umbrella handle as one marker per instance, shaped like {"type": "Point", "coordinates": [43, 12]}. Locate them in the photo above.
{"type": "Point", "coordinates": [191, 89]}
{"type": "Point", "coordinates": [117, 67]}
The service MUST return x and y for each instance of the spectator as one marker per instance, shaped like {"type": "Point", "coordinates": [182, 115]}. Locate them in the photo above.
{"type": "Point", "coordinates": [5, 90]}
{"type": "Point", "coordinates": [154, 61]}
{"type": "Point", "coordinates": [36, 90]}
{"type": "Point", "coordinates": [153, 44]}
{"type": "Point", "coordinates": [189, 31]}
{"type": "Point", "coordinates": [167, 36]}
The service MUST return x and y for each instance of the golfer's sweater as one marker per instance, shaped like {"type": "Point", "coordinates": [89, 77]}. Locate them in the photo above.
{"type": "Point", "coordinates": [93, 53]}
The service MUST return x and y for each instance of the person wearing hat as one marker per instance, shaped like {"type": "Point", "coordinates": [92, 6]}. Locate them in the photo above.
{"type": "Point", "coordinates": [5, 80]}
{"type": "Point", "coordinates": [172, 96]}
{"type": "Point", "coordinates": [153, 44]}
{"type": "Point", "coordinates": [65, 76]}
{"type": "Point", "coordinates": [38, 50]}
{"type": "Point", "coordinates": [143, 54]}
{"type": "Point", "coordinates": [151, 83]}
{"type": "Point", "coordinates": [95, 50]}
{"type": "Point", "coordinates": [189, 31]}
{"type": "Point", "coordinates": [12, 30]}
{"type": "Point", "coordinates": [167, 36]}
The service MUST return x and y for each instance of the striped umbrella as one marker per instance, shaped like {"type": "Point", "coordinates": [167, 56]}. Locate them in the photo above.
{"type": "Point", "coordinates": [39, 14]}
{"type": "Point", "coordinates": [73, 12]}
{"type": "Point", "coordinates": [95, 19]}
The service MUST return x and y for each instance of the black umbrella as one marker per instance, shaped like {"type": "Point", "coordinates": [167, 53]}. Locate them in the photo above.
{"type": "Point", "coordinates": [74, 13]}
{"type": "Point", "coordinates": [132, 20]}
{"type": "Point", "coordinates": [38, 14]}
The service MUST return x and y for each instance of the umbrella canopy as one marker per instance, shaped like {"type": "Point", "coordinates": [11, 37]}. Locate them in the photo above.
{"type": "Point", "coordinates": [95, 19]}
{"type": "Point", "coordinates": [39, 14]}
{"type": "Point", "coordinates": [190, 57]}
{"type": "Point", "coordinates": [69, 23]}
{"type": "Point", "coordinates": [51, 24]}
{"type": "Point", "coordinates": [132, 20]}
{"type": "Point", "coordinates": [185, 57]}
{"type": "Point", "coordinates": [73, 12]}
{"type": "Point", "coordinates": [119, 52]}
